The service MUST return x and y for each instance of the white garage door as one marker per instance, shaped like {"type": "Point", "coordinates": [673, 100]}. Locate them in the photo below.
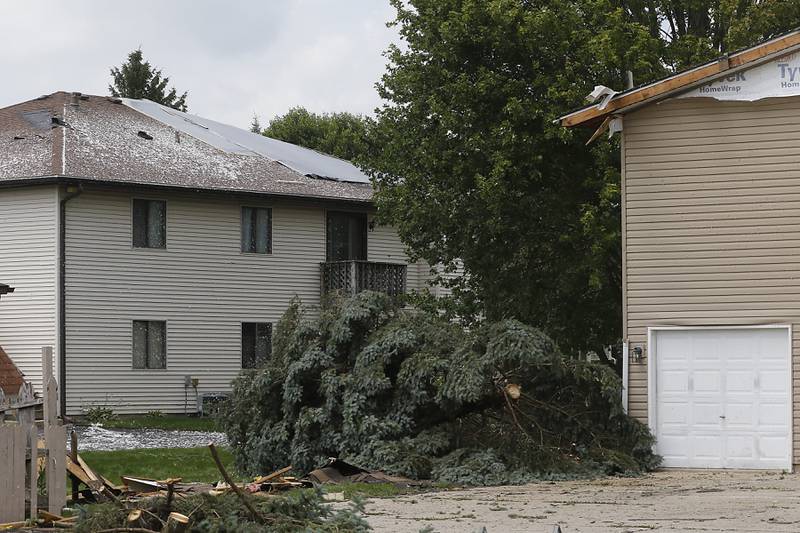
{"type": "Point", "coordinates": [722, 397]}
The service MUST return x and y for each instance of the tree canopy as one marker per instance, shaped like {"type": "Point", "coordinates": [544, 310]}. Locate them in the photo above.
{"type": "Point", "coordinates": [343, 135]}
{"type": "Point", "coordinates": [136, 78]}
{"type": "Point", "coordinates": [469, 165]}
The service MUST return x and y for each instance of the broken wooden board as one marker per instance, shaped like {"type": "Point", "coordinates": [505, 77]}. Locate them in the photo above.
{"type": "Point", "coordinates": [13, 445]}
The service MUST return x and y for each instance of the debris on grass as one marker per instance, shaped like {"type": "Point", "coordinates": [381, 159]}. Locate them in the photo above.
{"type": "Point", "coordinates": [170, 505]}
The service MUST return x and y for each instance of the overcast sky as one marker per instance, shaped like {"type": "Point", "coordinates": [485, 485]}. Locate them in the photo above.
{"type": "Point", "coordinates": [235, 57]}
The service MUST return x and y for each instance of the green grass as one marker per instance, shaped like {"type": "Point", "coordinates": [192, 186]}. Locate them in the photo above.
{"type": "Point", "coordinates": [192, 423]}
{"type": "Point", "coordinates": [191, 464]}
{"type": "Point", "coordinates": [196, 464]}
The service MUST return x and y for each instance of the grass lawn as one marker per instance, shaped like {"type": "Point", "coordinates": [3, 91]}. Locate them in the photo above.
{"type": "Point", "coordinates": [192, 423]}
{"type": "Point", "coordinates": [196, 464]}
{"type": "Point", "coordinates": [191, 464]}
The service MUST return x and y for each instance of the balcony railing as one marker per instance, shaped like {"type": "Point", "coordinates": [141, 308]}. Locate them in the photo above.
{"type": "Point", "coordinates": [352, 277]}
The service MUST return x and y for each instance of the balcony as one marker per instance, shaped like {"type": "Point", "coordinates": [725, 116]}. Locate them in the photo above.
{"type": "Point", "coordinates": [352, 277]}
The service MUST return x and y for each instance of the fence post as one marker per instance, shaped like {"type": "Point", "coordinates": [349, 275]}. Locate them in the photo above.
{"type": "Point", "coordinates": [55, 437]}
{"type": "Point", "coordinates": [33, 443]}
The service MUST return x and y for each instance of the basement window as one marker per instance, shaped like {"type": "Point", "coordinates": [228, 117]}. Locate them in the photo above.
{"type": "Point", "coordinates": [149, 223]}
{"type": "Point", "coordinates": [256, 344]}
{"type": "Point", "coordinates": [256, 230]}
{"type": "Point", "coordinates": [149, 344]}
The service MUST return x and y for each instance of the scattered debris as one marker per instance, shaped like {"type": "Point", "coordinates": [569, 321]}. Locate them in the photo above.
{"type": "Point", "coordinates": [338, 472]}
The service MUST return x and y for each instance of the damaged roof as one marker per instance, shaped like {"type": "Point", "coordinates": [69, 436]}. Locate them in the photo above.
{"type": "Point", "coordinates": [623, 102]}
{"type": "Point", "coordinates": [98, 138]}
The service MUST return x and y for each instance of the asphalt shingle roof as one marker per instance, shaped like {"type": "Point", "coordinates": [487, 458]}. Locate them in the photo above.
{"type": "Point", "coordinates": [104, 139]}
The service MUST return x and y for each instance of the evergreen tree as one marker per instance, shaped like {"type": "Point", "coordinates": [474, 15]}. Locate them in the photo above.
{"type": "Point", "coordinates": [138, 79]}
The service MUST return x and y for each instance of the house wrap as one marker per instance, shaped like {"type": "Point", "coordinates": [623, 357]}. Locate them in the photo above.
{"type": "Point", "coordinates": [156, 250]}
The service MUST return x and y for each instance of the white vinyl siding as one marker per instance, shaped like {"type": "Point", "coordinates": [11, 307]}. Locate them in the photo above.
{"type": "Point", "coordinates": [712, 222]}
{"type": "Point", "coordinates": [29, 263]}
{"type": "Point", "coordinates": [202, 286]}
{"type": "Point", "coordinates": [385, 246]}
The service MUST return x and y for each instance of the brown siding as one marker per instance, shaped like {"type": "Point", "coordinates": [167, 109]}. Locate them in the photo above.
{"type": "Point", "coordinates": [711, 199]}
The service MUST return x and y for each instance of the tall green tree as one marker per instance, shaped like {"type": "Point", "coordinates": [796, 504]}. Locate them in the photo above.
{"type": "Point", "coordinates": [468, 163]}
{"type": "Point", "coordinates": [343, 135]}
{"type": "Point", "coordinates": [137, 78]}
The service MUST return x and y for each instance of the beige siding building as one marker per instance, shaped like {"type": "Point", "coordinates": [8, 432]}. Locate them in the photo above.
{"type": "Point", "coordinates": [711, 242]}
{"type": "Point", "coordinates": [201, 285]}
{"type": "Point", "coordinates": [155, 250]}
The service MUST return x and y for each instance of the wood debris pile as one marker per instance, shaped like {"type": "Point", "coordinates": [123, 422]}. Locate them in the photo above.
{"type": "Point", "coordinates": [135, 493]}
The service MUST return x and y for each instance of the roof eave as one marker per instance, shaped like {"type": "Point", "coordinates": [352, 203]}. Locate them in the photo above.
{"type": "Point", "coordinates": [627, 101]}
{"type": "Point", "coordinates": [57, 179]}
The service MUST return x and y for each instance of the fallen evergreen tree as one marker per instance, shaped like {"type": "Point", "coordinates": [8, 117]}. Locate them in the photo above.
{"type": "Point", "coordinates": [411, 394]}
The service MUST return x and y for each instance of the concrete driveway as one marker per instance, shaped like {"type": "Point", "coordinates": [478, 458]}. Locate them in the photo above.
{"type": "Point", "coordinates": [663, 501]}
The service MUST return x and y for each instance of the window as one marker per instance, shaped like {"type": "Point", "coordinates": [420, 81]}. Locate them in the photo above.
{"type": "Point", "coordinates": [346, 236]}
{"type": "Point", "coordinates": [256, 343]}
{"type": "Point", "coordinates": [257, 230]}
{"type": "Point", "coordinates": [149, 223]}
{"type": "Point", "coordinates": [149, 344]}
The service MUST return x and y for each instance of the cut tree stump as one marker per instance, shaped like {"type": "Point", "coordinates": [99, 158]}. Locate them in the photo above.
{"type": "Point", "coordinates": [176, 523]}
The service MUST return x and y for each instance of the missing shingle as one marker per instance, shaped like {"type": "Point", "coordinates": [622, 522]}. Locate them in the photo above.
{"type": "Point", "coordinates": [58, 121]}
{"type": "Point", "coordinates": [39, 119]}
{"type": "Point", "coordinates": [145, 135]}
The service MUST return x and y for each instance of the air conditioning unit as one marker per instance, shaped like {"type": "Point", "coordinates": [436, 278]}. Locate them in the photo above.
{"type": "Point", "coordinates": [210, 402]}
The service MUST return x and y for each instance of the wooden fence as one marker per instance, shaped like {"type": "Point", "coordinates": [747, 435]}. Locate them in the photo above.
{"type": "Point", "coordinates": [25, 450]}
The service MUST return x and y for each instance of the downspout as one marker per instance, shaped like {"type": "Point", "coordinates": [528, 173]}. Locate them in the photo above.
{"type": "Point", "coordinates": [72, 191]}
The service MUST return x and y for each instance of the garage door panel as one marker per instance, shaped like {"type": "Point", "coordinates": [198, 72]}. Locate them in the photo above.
{"type": "Point", "coordinates": [738, 381]}
{"type": "Point", "coordinates": [679, 448]}
{"type": "Point", "coordinates": [737, 346]}
{"type": "Point", "coordinates": [773, 382]}
{"type": "Point", "coordinates": [706, 447]}
{"type": "Point", "coordinates": [740, 447]}
{"type": "Point", "coordinates": [706, 415]}
{"type": "Point", "coordinates": [773, 447]}
{"type": "Point", "coordinates": [773, 416]}
{"type": "Point", "coordinates": [773, 345]}
{"type": "Point", "coordinates": [675, 381]}
{"type": "Point", "coordinates": [740, 415]}
{"type": "Point", "coordinates": [723, 398]}
{"type": "Point", "coordinates": [674, 414]}
{"type": "Point", "coordinates": [704, 349]}
{"type": "Point", "coordinates": [706, 381]}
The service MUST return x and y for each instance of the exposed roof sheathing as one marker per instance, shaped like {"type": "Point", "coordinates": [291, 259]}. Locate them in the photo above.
{"type": "Point", "coordinates": [683, 81]}
{"type": "Point", "coordinates": [104, 139]}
